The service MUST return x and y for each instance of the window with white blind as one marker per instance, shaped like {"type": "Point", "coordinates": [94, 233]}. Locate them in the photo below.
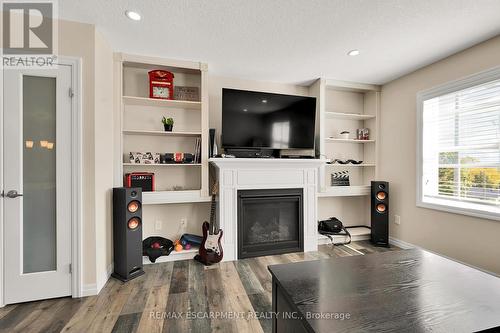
{"type": "Point", "coordinates": [459, 146]}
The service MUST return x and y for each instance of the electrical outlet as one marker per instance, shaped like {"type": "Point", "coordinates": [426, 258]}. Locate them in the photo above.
{"type": "Point", "coordinates": [158, 225]}
{"type": "Point", "coordinates": [183, 225]}
{"type": "Point", "coordinates": [397, 219]}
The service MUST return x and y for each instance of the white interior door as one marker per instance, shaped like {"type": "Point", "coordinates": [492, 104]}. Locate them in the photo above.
{"type": "Point", "coordinates": [37, 184]}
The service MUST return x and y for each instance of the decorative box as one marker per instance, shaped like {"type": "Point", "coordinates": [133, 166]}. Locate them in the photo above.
{"type": "Point", "coordinates": [161, 84]}
{"type": "Point", "coordinates": [144, 158]}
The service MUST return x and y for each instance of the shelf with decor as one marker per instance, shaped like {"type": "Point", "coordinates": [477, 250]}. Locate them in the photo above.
{"type": "Point", "coordinates": [141, 165]}
{"type": "Point", "coordinates": [147, 96]}
{"type": "Point", "coordinates": [350, 116]}
{"type": "Point", "coordinates": [345, 191]}
{"type": "Point", "coordinates": [361, 165]}
{"type": "Point", "coordinates": [174, 256]}
{"type": "Point", "coordinates": [357, 234]}
{"type": "Point", "coordinates": [164, 103]}
{"type": "Point", "coordinates": [347, 127]}
{"type": "Point", "coordinates": [340, 140]}
{"type": "Point", "coordinates": [173, 197]}
{"type": "Point", "coordinates": [161, 133]}
{"type": "Point", "coordinates": [146, 101]}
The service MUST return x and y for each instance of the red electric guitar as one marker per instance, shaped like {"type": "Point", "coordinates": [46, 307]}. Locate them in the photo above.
{"type": "Point", "coordinates": [210, 248]}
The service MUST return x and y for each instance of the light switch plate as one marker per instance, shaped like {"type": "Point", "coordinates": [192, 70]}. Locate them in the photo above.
{"type": "Point", "coordinates": [158, 225]}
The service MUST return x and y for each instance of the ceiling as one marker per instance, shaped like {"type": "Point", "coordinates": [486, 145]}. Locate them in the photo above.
{"type": "Point", "coordinates": [294, 41]}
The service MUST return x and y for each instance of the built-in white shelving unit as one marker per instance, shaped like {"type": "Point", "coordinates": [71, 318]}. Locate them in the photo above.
{"type": "Point", "coordinates": [338, 140]}
{"type": "Point", "coordinates": [357, 234]}
{"type": "Point", "coordinates": [165, 103]}
{"type": "Point", "coordinates": [142, 131]}
{"type": "Point", "coordinates": [345, 191]}
{"type": "Point", "coordinates": [160, 133]}
{"type": "Point", "coordinates": [350, 116]}
{"type": "Point", "coordinates": [351, 165]}
{"type": "Point", "coordinates": [173, 197]}
{"type": "Point", "coordinates": [169, 165]}
{"type": "Point", "coordinates": [346, 106]}
{"type": "Point", "coordinates": [174, 256]}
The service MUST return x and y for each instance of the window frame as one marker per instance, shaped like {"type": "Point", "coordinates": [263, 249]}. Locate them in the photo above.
{"type": "Point", "coordinates": [443, 89]}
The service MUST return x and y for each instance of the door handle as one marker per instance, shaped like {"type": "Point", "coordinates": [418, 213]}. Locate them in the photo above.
{"type": "Point", "coordinates": [12, 194]}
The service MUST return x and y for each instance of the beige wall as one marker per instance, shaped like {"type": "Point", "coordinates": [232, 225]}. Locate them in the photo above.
{"type": "Point", "coordinates": [84, 42]}
{"type": "Point", "coordinates": [468, 239]}
{"type": "Point", "coordinates": [104, 158]}
{"type": "Point", "coordinates": [77, 40]}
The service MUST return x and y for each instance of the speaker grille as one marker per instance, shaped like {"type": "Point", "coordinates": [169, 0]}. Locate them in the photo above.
{"type": "Point", "coordinates": [134, 223]}
{"type": "Point", "coordinates": [133, 206]}
{"type": "Point", "coordinates": [381, 208]}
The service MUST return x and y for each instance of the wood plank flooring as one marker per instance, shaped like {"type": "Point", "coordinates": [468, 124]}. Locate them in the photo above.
{"type": "Point", "coordinates": [181, 296]}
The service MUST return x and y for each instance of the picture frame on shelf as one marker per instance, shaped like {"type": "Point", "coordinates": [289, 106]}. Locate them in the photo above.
{"type": "Point", "coordinates": [191, 94]}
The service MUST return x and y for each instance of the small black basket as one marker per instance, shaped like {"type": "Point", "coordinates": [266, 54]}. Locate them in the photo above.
{"type": "Point", "coordinates": [166, 246]}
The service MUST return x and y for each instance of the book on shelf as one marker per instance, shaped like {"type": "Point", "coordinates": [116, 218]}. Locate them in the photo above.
{"type": "Point", "coordinates": [197, 151]}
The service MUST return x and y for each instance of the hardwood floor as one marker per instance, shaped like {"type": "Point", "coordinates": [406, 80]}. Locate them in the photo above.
{"type": "Point", "coordinates": [182, 296]}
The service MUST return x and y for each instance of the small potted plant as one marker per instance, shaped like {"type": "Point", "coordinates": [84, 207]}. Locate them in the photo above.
{"type": "Point", "coordinates": [168, 124]}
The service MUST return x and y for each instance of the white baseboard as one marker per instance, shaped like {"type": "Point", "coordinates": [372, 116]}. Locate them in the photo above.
{"type": "Point", "coordinates": [92, 289]}
{"type": "Point", "coordinates": [406, 245]}
{"type": "Point", "coordinates": [401, 244]}
{"type": "Point", "coordinates": [340, 239]}
{"type": "Point", "coordinates": [357, 234]}
{"type": "Point", "coordinates": [89, 290]}
{"type": "Point", "coordinates": [104, 278]}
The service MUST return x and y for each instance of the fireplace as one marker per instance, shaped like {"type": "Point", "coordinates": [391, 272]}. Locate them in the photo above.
{"type": "Point", "coordinates": [270, 222]}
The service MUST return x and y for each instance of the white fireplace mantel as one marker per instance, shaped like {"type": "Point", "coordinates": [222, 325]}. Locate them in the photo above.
{"type": "Point", "coordinates": [261, 173]}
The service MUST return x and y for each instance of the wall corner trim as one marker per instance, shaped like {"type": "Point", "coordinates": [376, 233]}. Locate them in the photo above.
{"type": "Point", "coordinates": [405, 245]}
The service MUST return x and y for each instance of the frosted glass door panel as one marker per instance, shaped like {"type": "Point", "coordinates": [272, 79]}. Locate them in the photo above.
{"type": "Point", "coordinates": [39, 174]}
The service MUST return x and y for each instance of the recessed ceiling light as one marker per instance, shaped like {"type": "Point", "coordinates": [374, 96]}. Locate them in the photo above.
{"type": "Point", "coordinates": [133, 15]}
{"type": "Point", "coordinates": [353, 53]}
{"type": "Point", "coordinates": [264, 101]}
{"type": "Point", "coordinates": [245, 110]}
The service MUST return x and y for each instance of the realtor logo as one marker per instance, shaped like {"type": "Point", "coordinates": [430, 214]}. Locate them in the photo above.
{"type": "Point", "coordinates": [29, 34]}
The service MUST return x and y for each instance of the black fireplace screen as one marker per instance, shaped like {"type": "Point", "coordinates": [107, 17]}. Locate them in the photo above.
{"type": "Point", "coordinates": [269, 222]}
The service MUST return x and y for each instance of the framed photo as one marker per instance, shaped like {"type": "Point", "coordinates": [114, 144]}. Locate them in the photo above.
{"type": "Point", "coordinates": [191, 94]}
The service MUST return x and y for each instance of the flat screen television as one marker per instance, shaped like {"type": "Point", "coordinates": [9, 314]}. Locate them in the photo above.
{"type": "Point", "coordinates": [253, 120]}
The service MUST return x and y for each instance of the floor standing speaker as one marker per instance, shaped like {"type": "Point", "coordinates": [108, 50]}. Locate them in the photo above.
{"type": "Point", "coordinates": [127, 233]}
{"type": "Point", "coordinates": [380, 213]}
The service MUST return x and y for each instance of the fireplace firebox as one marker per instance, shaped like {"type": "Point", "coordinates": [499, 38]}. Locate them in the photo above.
{"type": "Point", "coordinates": [270, 222]}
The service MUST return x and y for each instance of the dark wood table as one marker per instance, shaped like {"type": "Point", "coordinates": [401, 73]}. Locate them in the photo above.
{"type": "Point", "coordinates": [397, 291]}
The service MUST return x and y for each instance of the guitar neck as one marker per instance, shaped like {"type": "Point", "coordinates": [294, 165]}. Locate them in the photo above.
{"type": "Point", "coordinates": [213, 222]}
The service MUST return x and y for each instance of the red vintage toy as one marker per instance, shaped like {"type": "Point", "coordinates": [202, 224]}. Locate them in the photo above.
{"type": "Point", "coordinates": [161, 84]}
